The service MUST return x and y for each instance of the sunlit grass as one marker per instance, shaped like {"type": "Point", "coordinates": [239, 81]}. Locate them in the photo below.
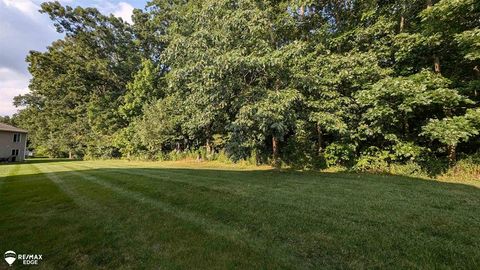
{"type": "Point", "coordinates": [191, 215]}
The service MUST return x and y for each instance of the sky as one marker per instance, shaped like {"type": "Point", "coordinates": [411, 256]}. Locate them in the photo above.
{"type": "Point", "coordinates": [23, 28]}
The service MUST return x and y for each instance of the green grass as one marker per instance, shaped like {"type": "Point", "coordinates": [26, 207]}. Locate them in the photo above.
{"type": "Point", "coordinates": [174, 215]}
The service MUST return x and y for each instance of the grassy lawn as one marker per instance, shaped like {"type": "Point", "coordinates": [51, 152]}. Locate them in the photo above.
{"type": "Point", "coordinates": [119, 214]}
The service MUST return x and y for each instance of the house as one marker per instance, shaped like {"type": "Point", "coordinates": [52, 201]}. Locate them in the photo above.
{"type": "Point", "coordinates": [13, 143]}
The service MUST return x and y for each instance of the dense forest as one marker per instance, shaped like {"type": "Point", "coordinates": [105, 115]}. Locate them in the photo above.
{"type": "Point", "coordinates": [307, 84]}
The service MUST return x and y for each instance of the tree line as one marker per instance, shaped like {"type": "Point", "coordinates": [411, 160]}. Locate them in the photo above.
{"type": "Point", "coordinates": [306, 83]}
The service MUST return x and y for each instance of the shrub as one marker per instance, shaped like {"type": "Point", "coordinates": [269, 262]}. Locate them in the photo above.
{"type": "Point", "coordinates": [375, 160]}
{"type": "Point", "coordinates": [339, 154]}
{"type": "Point", "coordinates": [408, 169]}
{"type": "Point", "coordinates": [407, 151]}
{"type": "Point", "coordinates": [466, 168]}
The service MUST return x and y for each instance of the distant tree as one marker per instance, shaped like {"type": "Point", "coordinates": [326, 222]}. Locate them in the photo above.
{"type": "Point", "coordinates": [77, 83]}
{"type": "Point", "coordinates": [317, 82]}
{"type": "Point", "coordinates": [7, 120]}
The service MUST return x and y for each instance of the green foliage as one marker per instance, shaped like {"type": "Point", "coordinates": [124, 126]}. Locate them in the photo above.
{"type": "Point", "coordinates": [340, 154]}
{"type": "Point", "coordinates": [7, 120]}
{"type": "Point", "coordinates": [374, 159]}
{"type": "Point", "coordinates": [407, 151]}
{"type": "Point", "coordinates": [307, 84]}
{"type": "Point", "coordinates": [451, 131]}
{"type": "Point", "coordinates": [408, 169]}
{"type": "Point", "coordinates": [143, 89]}
{"type": "Point", "coordinates": [160, 127]}
{"type": "Point", "coordinates": [392, 104]}
{"type": "Point", "coordinates": [299, 152]}
{"type": "Point", "coordinates": [470, 43]}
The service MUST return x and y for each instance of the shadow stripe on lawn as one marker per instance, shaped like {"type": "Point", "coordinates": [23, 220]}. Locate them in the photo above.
{"type": "Point", "coordinates": [345, 215]}
{"type": "Point", "coordinates": [313, 176]}
{"type": "Point", "coordinates": [163, 176]}
{"type": "Point", "coordinates": [210, 226]}
{"type": "Point", "coordinates": [78, 199]}
{"type": "Point", "coordinates": [110, 222]}
{"type": "Point", "coordinates": [278, 200]}
{"type": "Point", "coordinates": [351, 182]}
{"type": "Point", "coordinates": [295, 209]}
{"type": "Point", "coordinates": [259, 189]}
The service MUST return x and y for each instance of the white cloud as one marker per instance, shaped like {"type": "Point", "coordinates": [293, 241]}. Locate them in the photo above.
{"type": "Point", "coordinates": [23, 28]}
{"type": "Point", "coordinates": [13, 84]}
{"type": "Point", "coordinates": [124, 11]}
{"type": "Point", "coordinates": [27, 7]}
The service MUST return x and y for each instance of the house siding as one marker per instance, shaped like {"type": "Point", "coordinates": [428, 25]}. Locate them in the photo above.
{"type": "Point", "coordinates": [7, 145]}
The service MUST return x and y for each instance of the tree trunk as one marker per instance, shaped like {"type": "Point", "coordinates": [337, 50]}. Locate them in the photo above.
{"type": "Point", "coordinates": [452, 154]}
{"type": "Point", "coordinates": [208, 143]}
{"type": "Point", "coordinates": [302, 11]}
{"type": "Point", "coordinates": [436, 59]}
{"type": "Point", "coordinates": [476, 69]}
{"type": "Point", "coordinates": [406, 126]}
{"type": "Point", "coordinates": [276, 162]}
{"type": "Point", "coordinates": [208, 146]}
{"type": "Point", "coordinates": [402, 24]}
{"type": "Point", "coordinates": [436, 64]}
{"type": "Point", "coordinates": [320, 139]}
{"type": "Point", "coordinates": [177, 149]}
{"type": "Point", "coordinates": [70, 154]}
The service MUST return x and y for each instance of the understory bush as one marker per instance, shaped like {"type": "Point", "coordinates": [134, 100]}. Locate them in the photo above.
{"type": "Point", "coordinates": [339, 154]}
{"type": "Point", "coordinates": [341, 157]}
{"type": "Point", "coordinates": [468, 168]}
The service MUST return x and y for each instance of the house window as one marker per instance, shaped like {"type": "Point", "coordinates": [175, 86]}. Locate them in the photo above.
{"type": "Point", "coordinates": [16, 137]}
{"type": "Point", "coordinates": [14, 152]}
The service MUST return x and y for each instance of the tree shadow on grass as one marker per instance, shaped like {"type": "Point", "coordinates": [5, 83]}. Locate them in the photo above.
{"type": "Point", "coordinates": [39, 161]}
{"type": "Point", "coordinates": [310, 219]}
{"type": "Point", "coordinates": [48, 160]}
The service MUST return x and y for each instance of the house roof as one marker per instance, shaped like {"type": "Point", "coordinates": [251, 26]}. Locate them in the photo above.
{"type": "Point", "coordinates": [5, 127]}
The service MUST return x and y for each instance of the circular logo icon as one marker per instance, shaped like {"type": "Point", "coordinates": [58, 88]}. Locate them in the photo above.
{"type": "Point", "coordinates": [10, 257]}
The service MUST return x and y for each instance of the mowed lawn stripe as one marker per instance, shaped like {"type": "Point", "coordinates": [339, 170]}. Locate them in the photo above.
{"type": "Point", "coordinates": [392, 200]}
{"type": "Point", "coordinates": [406, 211]}
{"type": "Point", "coordinates": [137, 235]}
{"type": "Point", "coordinates": [304, 228]}
{"type": "Point", "coordinates": [213, 227]}
{"type": "Point", "coordinates": [116, 222]}
{"type": "Point", "coordinates": [333, 221]}
{"type": "Point", "coordinates": [35, 214]}
{"type": "Point", "coordinates": [8, 169]}
{"type": "Point", "coordinates": [5, 172]}
{"type": "Point", "coordinates": [232, 184]}
{"type": "Point", "coordinates": [68, 188]}
{"type": "Point", "coordinates": [217, 203]}
{"type": "Point", "coordinates": [310, 185]}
